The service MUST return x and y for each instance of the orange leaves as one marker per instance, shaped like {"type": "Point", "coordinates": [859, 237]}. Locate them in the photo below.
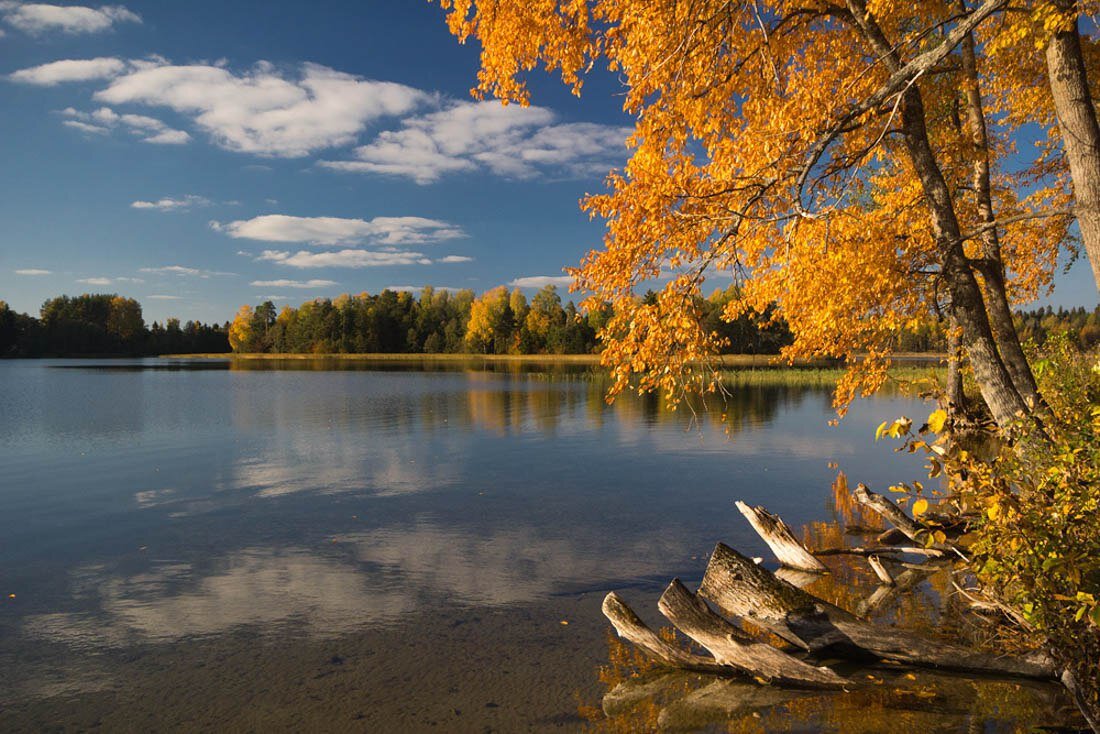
{"type": "Point", "coordinates": [729, 100]}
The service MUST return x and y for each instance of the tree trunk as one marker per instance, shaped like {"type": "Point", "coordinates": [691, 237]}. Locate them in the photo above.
{"type": "Point", "coordinates": [993, 269]}
{"type": "Point", "coordinates": [1073, 105]}
{"type": "Point", "coordinates": [967, 303]}
{"type": "Point", "coordinates": [956, 397]}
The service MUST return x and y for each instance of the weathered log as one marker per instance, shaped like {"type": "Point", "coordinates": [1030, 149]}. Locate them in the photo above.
{"type": "Point", "coordinates": [633, 629]}
{"type": "Point", "coordinates": [888, 510]}
{"type": "Point", "coordinates": [739, 588]}
{"type": "Point", "coordinates": [878, 550]}
{"type": "Point", "coordinates": [801, 579]}
{"type": "Point", "coordinates": [779, 537]}
{"type": "Point", "coordinates": [880, 571]}
{"type": "Point", "coordinates": [731, 646]}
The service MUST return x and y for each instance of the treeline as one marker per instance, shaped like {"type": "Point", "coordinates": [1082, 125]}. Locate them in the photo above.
{"type": "Point", "coordinates": [498, 321]}
{"type": "Point", "coordinates": [101, 324]}
{"type": "Point", "coordinates": [441, 321]}
{"type": "Point", "coordinates": [1036, 326]}
{"type": "Point", "coordinates": [1082, 325]}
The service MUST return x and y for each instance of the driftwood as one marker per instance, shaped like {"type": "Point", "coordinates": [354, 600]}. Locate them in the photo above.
{"type": "Point", "coordinates": [888, 510]}
{"type": "Point", "coordinates": [731, 646]}
{"type": "Point", "coordinates": [744, 590]}
{"type": "Point", "coordinates": [880, 571]}
{"type": "Point", "coordinates": [879, 550]}
{"type": "Point", "coordinates": [779, 537]}
{"type": "Point", "coordinates": [631, 628]}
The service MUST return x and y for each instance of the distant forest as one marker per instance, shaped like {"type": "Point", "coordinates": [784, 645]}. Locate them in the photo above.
{"type": "Point", "coordinates": [101, 324]}
{"type": "Point", "coordinates": [435, 321]}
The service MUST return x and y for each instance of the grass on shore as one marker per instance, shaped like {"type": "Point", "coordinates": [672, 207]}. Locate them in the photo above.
{"type": "Point", "coordinates": [767, 361]}
{"type": "Point", "coordinates": [753, 370]}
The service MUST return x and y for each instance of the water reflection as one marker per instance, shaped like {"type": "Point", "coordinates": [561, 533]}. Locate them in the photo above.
{"type": "Point", "coordinates": [641, 696]}
{"type": "Point", "coordinates": [266, 587]}
{"type": "Point", "coordinates": [154, 509]}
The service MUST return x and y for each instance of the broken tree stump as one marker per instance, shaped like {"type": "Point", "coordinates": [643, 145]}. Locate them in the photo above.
{"type": "Point", "coordinates": [631, 628]}
{"type": "Point", "coordinates": [782, 541]}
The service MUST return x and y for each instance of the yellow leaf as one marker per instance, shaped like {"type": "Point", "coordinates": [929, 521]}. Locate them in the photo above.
{"type": "Point", "coordinates": [937, 420]}
{"type": "Point", "coordinates": [920, 507]}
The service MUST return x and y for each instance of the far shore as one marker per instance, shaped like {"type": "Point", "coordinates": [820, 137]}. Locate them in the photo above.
{"type": "Point", "coordinates": [726, 360]}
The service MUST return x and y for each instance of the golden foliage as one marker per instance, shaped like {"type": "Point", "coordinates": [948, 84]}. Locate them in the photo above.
{"type": "Point", "coordinates": [727, 173]}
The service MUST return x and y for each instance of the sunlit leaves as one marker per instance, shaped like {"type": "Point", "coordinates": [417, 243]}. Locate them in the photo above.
{"type": "Point", "coordinates": [728, 100]}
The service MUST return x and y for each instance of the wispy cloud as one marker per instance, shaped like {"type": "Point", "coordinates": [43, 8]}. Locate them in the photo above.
{"type": "Point", "coordinates": [164, 297]}
{"type": "Point", "coordinates": [37, 18]}
{"type": "Point", "coordinates": [264, 110]}
{"type": "Point", "coordinates": [33, 271]}
{"type": "Point", "coordinates": [283, 283]}
{"type": "Point", "coordinates": [339, 231]}
{"type": "Point", "coordinates": [509, 141]}
{"type": "Point", "coordinates": [104, 119]}
{"type": "Point", "coordinates": [351, 258]}
{"type": "Point", "coordinates": [455, 259]}
{"type": "Point", "coordinates": [418, 288]}
{"type": "Point", "coordinates": [70, 70]}
{"type": "Point", "coordinates": [541, 281]}
{"type": "Point", "coordinates": [171, 204]}
{"type": "Point", "coordinates": [95, 281]}
{"type": "Point", "coordinates": [183, 271]}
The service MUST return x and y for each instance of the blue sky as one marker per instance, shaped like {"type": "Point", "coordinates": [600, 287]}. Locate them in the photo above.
{"type": "Point", "coordinates": [201, 155]}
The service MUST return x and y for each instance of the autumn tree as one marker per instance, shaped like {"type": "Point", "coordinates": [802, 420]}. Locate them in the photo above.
{"type": "Point", "coordinates": [854, 164]}
{"type": "Point", "coordinates": [491, 322]}
{"type": "Point", "coordinates": [837, 157]}
{"type": "Point", "coordinates": [240, 331]}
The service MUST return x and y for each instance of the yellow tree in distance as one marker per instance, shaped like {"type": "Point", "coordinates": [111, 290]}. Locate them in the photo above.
{"type": "Point", "coordinates": [853, 162]}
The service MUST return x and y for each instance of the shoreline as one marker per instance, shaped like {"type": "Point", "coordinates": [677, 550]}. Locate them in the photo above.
{"type": "Point", "coordinates": [725, 360]}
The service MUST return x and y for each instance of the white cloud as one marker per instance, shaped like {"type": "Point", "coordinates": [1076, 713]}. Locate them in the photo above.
{"type": "Point", "coordinates": [129, 280]}
{"type": "Point", "coordinates": [418, 288]}
{"type": "Point", "coordinates": [336, 230]}
{"type": "Point", "coordinates": [38, 18]}
{"type": "Point", "coordinates": [509, 141]}
{"type": "Point", "coordinates": [86, 127]}
{"type": "Point", "coordinates": [33, 271]}
{"type": "Point", "coordinates": [343, 258]}
{"type": "Point", "coordinates": [104, 119]}
{"type": "Point", "coordinates": [541, 281]}
{"type": "Point", "coordinates": [292, 283]}
{"type": "Point", "coordinates": [168, 203]}
{"type": "Point", "coordinates": [183, 271]}
{"type": "Point", "coordinates": [455, 259]}
{"type": "Point", "coordinates": [69, 70]}
{"type": "Point", "coordinates": [169, 137]}
{"type": "Point", "coordinates": [161, 297]}
{"type": "Point", "coordinates": [94, 281]}
{"type": "Point", "coordinates": [264, 111]}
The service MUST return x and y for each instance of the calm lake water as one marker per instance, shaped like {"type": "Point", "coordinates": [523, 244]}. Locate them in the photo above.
{"type": "Point", "coordinates": [302, 546]}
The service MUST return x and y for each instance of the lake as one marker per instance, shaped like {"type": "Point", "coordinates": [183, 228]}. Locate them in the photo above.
{"type": "Point", "coordinates": [265, 546]}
